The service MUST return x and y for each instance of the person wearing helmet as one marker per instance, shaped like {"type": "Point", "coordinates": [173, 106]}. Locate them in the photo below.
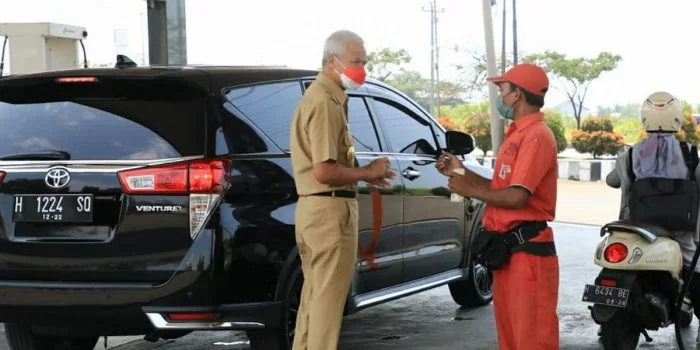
{"type": "Point", "coordinates": [662, 156]}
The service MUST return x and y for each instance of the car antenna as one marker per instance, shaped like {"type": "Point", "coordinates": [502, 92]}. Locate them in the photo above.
{"type": "Point", "coordinates": [124, 62]}
{"type": "Point", "coordinates": [85, 61]}
{"type": "Point", "coordinates": [2, 57]}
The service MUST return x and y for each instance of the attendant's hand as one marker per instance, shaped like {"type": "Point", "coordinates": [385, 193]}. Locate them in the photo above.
{"type": "Point", "coordinates": [447, 162]}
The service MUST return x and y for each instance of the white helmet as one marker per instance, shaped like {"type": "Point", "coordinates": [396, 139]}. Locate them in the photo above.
{"type": "Point", "coordinates": [661, 112]}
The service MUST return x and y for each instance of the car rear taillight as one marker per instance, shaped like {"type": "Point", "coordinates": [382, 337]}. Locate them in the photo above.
{"type": "Point", "coordinates": [204, 180]}
{"type": "Point", "coordinates": [615, 252]}
{"type": "Point", "coordinates": [2, 176]}
{"type": "Point", "coordinates": [208, 177]}
{"type": "Point", "coordinates": [170, 179]}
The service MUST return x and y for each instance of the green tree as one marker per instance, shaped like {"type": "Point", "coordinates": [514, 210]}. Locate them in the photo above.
{"type": "Point", "coordinates": [473, 74]}
{"type": "Point", "coordinates": [629, 127]}
{"type": "Point", "coordinates": [631, 110]}
{"type": "Point", "coordinates": [384, 63]}
{"type": "Point", "coordinates": [605, 110]}
{"type": "Point", "coordinates": [553, 119]}
{"type": "Point", "coordinates": [451, 94]}
{"type": "Point", "coordinates": [575, 74]}
{"type": "Point", "coordinates": [598, 124]}
{"type": "Point", "coordinates": [387, 65]}
{"type": "Point", "coordinates": [448, 123]}
{"type": "Point", "coordinates": [597, 137]}
{"type": "Point", "coordinates": [459, 113]}
{"type": "Point", "coordinates": [479, 126]}
{"type": "Point", "coordinates": [413, 85]}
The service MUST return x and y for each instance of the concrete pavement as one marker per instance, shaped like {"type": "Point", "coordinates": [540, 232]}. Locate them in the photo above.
{"type": "Point", "coordinates": [590, 203]}
{"type": "Point", "coordinates": [431, 320]}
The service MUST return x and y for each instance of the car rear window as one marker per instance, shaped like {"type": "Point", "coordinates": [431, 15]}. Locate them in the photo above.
{"type": "Point", "coordinates": [103, 127]}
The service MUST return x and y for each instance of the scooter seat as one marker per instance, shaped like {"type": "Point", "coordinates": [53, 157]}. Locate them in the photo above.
{"type": "Point", "coordinates": [649, 231]}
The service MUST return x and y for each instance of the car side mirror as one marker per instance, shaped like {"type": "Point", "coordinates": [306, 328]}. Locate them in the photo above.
{"type": "Point", "coordinates": [459, 143]}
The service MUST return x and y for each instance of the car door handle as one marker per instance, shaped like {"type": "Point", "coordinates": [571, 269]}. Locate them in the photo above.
{"type": "Point", "coordinates": [411, 173]}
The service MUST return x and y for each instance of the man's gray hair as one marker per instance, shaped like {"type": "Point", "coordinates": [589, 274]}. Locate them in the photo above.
{"type": "Point", "coordinates": [337, 44]}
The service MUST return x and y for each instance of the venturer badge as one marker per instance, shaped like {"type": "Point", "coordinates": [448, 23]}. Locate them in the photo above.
{"type": "Point", "coordinates": [351, 152]}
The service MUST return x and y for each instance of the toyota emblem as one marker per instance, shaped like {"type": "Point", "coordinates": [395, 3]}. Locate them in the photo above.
{"type": "Point", "coordinates": [57, 178]}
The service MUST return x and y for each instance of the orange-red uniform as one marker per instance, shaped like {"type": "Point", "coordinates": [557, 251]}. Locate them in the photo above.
{"type": "Point", "coordinates": [526, 287]}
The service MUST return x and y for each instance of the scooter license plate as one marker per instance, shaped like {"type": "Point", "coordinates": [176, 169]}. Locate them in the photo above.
{"type": "Point", "coordinates": [611, 296]}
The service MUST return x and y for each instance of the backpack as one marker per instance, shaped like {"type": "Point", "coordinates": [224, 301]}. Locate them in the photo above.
{"type": "Point", "coordinates": [669, 203]}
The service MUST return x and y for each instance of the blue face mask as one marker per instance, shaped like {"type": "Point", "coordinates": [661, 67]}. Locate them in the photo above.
{"type": "Point", "coordinates": [506, 112]}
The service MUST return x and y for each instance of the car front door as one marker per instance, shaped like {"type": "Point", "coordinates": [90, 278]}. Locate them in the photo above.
{"type": "Point", "coordinates": [379, 261]}
{"type": "Point", "coordinates": [433, 225]}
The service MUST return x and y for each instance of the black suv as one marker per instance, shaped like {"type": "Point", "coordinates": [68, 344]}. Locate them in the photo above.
{"type": "Point", "coordinates": [160, 201]}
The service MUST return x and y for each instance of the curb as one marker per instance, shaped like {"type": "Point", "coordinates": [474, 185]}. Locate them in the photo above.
{"type": "Point", "coordinates": [572, 169]}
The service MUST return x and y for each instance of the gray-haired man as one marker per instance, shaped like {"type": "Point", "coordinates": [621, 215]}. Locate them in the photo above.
{"type": "Point", "coordinates": [323, 159]}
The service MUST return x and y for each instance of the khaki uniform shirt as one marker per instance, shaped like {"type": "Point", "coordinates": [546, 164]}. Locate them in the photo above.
{"type": "Point", "coordinates": [319, 132]}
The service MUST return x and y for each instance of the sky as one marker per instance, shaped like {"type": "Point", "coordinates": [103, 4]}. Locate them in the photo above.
{"type": "Point", "coordinates": [657, 40]}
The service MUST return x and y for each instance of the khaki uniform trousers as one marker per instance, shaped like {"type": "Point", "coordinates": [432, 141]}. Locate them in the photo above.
{"type": "Point", "coordinates": [326, 234]}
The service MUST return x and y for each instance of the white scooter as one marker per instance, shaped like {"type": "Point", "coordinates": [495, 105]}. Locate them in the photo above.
{"type": "Point", "coordinates": [639, 286]}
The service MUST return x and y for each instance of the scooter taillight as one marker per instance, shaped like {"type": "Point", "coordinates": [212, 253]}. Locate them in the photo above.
{"type": "Point", "coordinates": [615, 253]}
{"type": "Point", "coordinates": [608, 283]}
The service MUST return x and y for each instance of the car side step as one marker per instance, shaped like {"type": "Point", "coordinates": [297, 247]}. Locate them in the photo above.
{"type": "Point", "coordinates": [392, 293]}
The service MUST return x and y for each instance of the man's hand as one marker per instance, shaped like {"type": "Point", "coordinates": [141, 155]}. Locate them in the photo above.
{"type": "Point", "coordinates": [379, 172]}
{"type": "Point", "coordinates": [461, 185]}
{"type": "Point", "coordinates": [378, 167]}
{"type": "Point", "coordinates": [380, 182]}
{"type": "Point", "coordinates": [447, 162]}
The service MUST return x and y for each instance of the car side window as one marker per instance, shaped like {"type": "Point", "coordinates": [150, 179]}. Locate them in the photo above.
{"type": "Point", "coordinates": [361, 126]}
{"type": "Point", "coordinates": [440, 135]}
{"type": "Point", "coordinates": [407, 133]}
{"type": "Point", "coordinates": [236, 135]}
{"type": "Point", "coordinates": [270, 106]}
{"type": "Point", "coordinates": [389, 94]}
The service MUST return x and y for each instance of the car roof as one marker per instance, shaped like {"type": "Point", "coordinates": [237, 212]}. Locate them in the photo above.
{"type": "Point", "coordinates": [212, 78]}
{"type": "Point", "coordinates": [209, 76]}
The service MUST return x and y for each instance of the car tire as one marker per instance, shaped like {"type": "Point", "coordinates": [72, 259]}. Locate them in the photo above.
{"type": "Point", "coordinates": [476, 290]}
{"type": "Point", "coordinates": [282, 339]}
{"type": "Point", "coordinates": [21, 337]}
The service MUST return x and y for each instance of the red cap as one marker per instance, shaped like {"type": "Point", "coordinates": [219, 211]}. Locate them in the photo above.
{"type": "Point", "coordinates": [527, 76]}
